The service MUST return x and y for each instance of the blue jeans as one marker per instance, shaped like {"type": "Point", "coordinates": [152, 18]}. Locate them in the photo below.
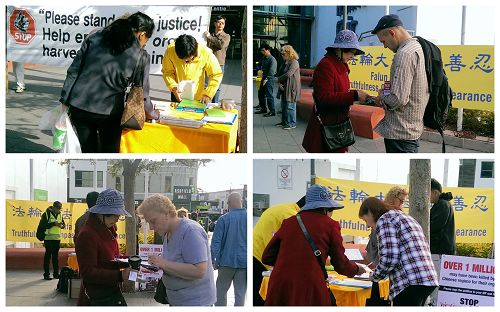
{"type": "Point", "coordinates": [288, 112]}
{"type": "Point", "coordinates": [238, 277]}
{"type": "Point", "coordinates": [266, 96]}
{"type": "Point", "coordinates": [401, 146]}
{"type": "Point", "coordinates": [216, 96]}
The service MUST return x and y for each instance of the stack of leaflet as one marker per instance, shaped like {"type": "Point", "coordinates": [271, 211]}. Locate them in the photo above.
{"type": "Point", "coordinates": [172, 117]}
{"type": "Point", "coordinates": [350, 283]}
{"type": "Point", "coordinates": [191, 106]}
{"type": "Point", "coordinates": [217, 115]}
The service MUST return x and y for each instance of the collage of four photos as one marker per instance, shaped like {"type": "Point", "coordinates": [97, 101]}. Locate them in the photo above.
{"type": "Point", "coordinates": [258, 177]}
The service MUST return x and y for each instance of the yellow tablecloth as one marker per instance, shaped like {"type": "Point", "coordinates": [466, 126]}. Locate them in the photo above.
{"type": "Point", "coordinates": [159, 138]}
{"type": "Point", "coordinates": [73, 262]}
{"type": "Point", "coordinates": [345, 296]}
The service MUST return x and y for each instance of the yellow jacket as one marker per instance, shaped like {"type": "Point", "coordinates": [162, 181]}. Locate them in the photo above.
{"type": "Point", "coordinates": [175, 70]}
{"type": "Point", "coordinates": [269, 223]}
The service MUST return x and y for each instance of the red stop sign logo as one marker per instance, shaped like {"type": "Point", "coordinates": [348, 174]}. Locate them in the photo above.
{"type": "Point", "coordinates": [22, 26]}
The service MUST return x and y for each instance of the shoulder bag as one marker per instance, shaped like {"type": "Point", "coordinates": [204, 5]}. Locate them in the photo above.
{"type": "Point", "coordinates": [336, 136]}
{"type": "Point", "coordinates": [133, 114]}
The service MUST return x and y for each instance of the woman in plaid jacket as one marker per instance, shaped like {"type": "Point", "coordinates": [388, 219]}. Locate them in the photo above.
{"type": "Point", "coordinates": [404, 253]}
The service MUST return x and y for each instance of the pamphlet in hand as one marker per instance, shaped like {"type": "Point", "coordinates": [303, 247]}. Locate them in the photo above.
{"type": "Point", "coordinates": [353, 254]}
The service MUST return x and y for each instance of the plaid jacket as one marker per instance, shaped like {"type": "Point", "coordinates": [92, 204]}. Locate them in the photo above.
{"type": "Point", "coordinates": [405, 105]}
{"type": "Point", "coordinates": [405, 256]}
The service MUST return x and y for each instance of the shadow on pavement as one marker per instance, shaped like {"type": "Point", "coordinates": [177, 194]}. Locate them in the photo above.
{"type": "Point", "coordinates": [18, 142]}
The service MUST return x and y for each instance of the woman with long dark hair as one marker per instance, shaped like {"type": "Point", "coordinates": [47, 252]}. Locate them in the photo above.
{"type": "Point", "coordinates": [404, 254]}
{"type": "Point", "coordinates": [95, 84]}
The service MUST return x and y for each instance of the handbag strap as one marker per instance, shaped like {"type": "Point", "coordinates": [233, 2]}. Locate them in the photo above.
{"type": "Point", "coordinates": [316, 251]}
{"type": "Point", "coordinates": [132, 79]}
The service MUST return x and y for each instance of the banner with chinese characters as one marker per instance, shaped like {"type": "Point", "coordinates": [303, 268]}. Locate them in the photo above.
{"type": "Point", "coordinates": [470, 70]}
{"type": "Point", "coordinates": [473, 208]}
{"type": "Point", "coordinates": [23, 216]}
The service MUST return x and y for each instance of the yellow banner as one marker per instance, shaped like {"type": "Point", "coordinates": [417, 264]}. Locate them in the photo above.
{"type": "Point", "coordinates": [23, 216]}
{"type": "Point", "coordinates": [473, 207]}
{"type": "Point", "coordinates": [470, 70]}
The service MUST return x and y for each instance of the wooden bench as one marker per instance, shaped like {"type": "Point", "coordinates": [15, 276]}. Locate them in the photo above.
{"type": "Point", "coordinates": [364, 118]}
{"type": "Point", "coordinates": [306, 77]}
{"type": "Point", "coordinates": [32, 258]}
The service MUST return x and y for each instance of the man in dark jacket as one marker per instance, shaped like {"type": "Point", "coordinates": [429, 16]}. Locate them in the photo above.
{"type": "Point", "coordinates": [52, 222]}
{"type": "Point", "coordinates": [91, 200]}
{"type": "Point", "coordinates": [442, 227]}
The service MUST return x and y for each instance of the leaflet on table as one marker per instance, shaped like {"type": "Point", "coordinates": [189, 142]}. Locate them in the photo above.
{"type": "Point", "coordinates": [349, 282]}
{"type": "Point", "coordinates": [191, 106]}
{"type": "Point", "coordinates": [217, 115]}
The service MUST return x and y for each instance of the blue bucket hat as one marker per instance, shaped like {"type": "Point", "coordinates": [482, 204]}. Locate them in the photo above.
{"type": "Point", "coordinates": [346, 39]}
{"type": "Point", "coordinates": [318, 196]}
{"type": "Point", "coordinates": [110, 202]}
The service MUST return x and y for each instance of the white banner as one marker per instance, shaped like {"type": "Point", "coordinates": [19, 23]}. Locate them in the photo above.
{"type": "Point", "coordinates": [53, 35]}
{"type": "Point", "coordinates": [466, 281]}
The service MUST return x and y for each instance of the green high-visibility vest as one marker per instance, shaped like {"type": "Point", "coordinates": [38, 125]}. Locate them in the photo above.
{"type": "Point", "coordinates": [53, 233]}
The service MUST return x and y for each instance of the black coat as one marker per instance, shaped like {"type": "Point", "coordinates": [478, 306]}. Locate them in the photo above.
{"type": "Point", "coordinates": [96, 80]}
{"type": "Point", "coordinates": [442, 228]}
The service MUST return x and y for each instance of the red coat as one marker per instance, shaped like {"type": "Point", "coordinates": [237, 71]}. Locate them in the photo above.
{"type": "Point", "coordinates": [96, 246]}
{"type": "Point", "coordinates": [297, 279]}
{"type": "Point", "coordinates": [332, 97]}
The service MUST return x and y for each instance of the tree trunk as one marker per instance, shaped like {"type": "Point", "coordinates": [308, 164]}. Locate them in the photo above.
{"type": "Point", "coordinates": [420, 189]}
{"type": "Point", "coordinates": [129, 173]}
{"type": "Point", "coordinates": [243, 120]}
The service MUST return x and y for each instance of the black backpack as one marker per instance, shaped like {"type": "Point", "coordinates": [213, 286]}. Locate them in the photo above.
{"type": "Point", "coordinates": [66, 274]}
{"type": "Point", "coordinates": [40, 230]}
{"type": "Point", "coordinates": [441, 94]}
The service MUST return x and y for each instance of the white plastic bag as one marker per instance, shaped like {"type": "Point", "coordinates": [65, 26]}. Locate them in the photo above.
{"type": "Point", "coordinates": [71, 142]}
{"type": "Point", "coordinates": [49, 119]}
{"type": "Point", "coordinates": [186, 87]}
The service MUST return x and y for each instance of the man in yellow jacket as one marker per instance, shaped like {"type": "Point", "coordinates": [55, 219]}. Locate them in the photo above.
{"type": "Point", "coordinates": [185, 59]}
{"type": "Point", "coordinates": [268, 224]}
{"type": "Point", "coordinates": [52, 221]}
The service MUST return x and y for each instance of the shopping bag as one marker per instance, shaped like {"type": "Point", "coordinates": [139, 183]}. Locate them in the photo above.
{"type": "Point", "coordinates": [71, 142]}
{"type": "Point", "coordinates": [59, 132]}
{"type": "Point", "coordinates": [49, 119]}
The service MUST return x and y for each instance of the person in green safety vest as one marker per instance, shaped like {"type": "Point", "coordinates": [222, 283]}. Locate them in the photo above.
{"type": "Point", "coordinates": [52, 222]}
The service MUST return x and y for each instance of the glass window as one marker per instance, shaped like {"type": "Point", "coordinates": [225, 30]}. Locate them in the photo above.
{"type": "Point", "coordinates": [191, 181]}
{"type": "Point", "coordinates": [99, 178]}
{"type": "Point", "coordinates": [118, 184]}
{"type": "Point", "coordinates": [168, 184]}
{"type": "Point", "coordinates": [487, 169]}
{"type": "Point", "coordinates": [84, 178]}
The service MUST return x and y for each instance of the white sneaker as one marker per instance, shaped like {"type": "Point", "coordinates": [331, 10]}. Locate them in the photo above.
{"type": "Point", "coordinates": [289, 127]}
{"type": "Point", "coordinates": [20, 89]}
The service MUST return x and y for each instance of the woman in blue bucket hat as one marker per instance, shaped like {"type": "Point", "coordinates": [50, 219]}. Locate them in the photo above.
{"type": "Point", "coordinates": [297, 279]}
{"type": "Point", "coordinates": [97, 247]}
{"type": "Point", "coordinates": [332, 92]}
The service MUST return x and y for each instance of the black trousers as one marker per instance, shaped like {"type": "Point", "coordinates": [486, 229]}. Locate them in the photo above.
{"type": "Point", "coordinates": [97, 133]}
{"type": "Point", "coordinates": [51, 251]}
{"type": "Point", "coordinates": [413, 296]}
{"type": "Point", "coordinates": [401, 146]}
{"type": "Point", "coordinates": [258, 268]}
{"type": "Point", "coordinates": [266, 97]}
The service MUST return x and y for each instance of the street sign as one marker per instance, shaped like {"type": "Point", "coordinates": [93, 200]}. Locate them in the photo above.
{"type": "Point", "coordinates": [285, 177]}
{"type": "Point", "coordinates": [182, 195]}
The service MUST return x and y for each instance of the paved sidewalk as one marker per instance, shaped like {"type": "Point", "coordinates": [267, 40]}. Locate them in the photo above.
{"type": "Point", "coordinates": [267, 138]}
{"type": "Point", "coordinates": [44, 84]}
{"type": "Point", "coordinates": [28, 288]}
